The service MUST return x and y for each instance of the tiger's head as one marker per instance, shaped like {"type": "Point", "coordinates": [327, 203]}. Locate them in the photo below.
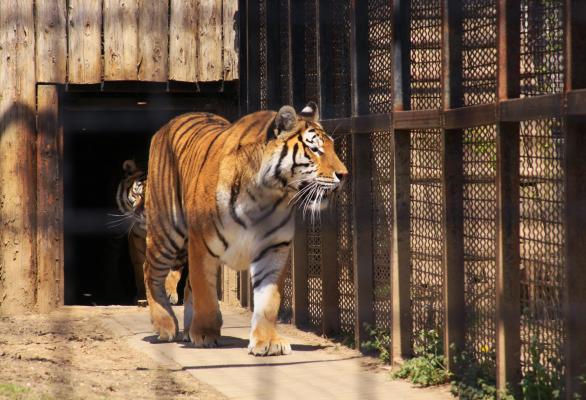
{"type": "Point", "coordinates": [300, 157]}
{"type": "Point", "coordinates": [131, 192]}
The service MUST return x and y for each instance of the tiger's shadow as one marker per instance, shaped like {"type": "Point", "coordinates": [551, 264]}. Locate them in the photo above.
{"type": "Point", "coordinates": [232, 342]}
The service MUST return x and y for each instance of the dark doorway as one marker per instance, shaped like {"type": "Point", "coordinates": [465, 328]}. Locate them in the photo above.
{"type": "Point", "coordinates": [101, 130]}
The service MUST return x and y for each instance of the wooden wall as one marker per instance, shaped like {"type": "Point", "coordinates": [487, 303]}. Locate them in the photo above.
{"type": "Point", "coordinates": [50, 42]}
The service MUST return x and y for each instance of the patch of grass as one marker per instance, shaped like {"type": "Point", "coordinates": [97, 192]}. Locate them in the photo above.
{"type": "Point", "coordinates": [13, 391]}
{"type": "Point", "coordinates": [429, 367]}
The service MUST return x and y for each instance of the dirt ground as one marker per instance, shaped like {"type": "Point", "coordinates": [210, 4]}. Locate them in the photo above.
{"type": "Point", "coordinates": [69, 355]}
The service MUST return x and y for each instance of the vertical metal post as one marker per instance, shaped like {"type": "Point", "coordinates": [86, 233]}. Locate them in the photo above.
{"type": "Point", "coordinates": [361, 173]}
{"type": "Point", "coordinates": [508, 317]}
{"type": "Point", "coordinates": [242, 58]}
{"type": "Point", "coordinates": [253, 54]}
{"type": "Point", "coordinates": [273, 61]}
{"type": "Point", "coordinates": [329, 224]}
{"type": "Point", "coordinates": [402, 321]}
{"type": "Point", "coordinates": [575, 171]}
{"type": "Point", "coordinates": [452, 184]}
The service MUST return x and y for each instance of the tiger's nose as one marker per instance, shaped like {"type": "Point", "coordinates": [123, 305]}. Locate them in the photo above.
{"type": "Point", "coordinates": [341, 175]}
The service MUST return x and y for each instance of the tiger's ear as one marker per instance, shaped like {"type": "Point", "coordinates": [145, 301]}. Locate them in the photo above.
{"type": "Point", "coordinates": [286, 119]}
{"type": "Point", "coordinates": [310, 112]}
{"type": "Point", "coordinates": [129, 166]}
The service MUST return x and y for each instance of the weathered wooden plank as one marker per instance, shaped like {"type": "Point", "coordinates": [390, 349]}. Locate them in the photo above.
{"type": "Point", "coordinates": [85, 42]}
{"type": "Point", "coordinates": [182, 41]}
{"type": "Point", "coordinates": [17, 158]}
{"type": "Point", "coordinates": [153, 40]}
{"type": "Point", "coordinates": [49, 200]}
{"type": "Point", "coordinates": [209, 38]}
{"type": "Point", "coordinates": [230, 51]}
{"type": "Point", "coordinates": [51, 41]}
{"type": "Point", "coordinates": [120, 40]}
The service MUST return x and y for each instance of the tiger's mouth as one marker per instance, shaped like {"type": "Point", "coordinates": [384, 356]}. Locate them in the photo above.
{"type": "Point", "coordinates": [313, 197]}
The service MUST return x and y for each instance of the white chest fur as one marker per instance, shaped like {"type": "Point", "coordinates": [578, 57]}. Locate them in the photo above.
{"type": "Point", "coordinates": [248, 227]}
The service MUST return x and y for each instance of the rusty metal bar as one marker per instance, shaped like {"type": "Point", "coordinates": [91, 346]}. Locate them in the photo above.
{"type": "Point", "coordinates": [508, 310]}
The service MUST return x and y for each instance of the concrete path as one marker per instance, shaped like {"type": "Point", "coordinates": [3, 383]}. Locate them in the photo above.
{"type": "Point", "coordinates": [316, 369]}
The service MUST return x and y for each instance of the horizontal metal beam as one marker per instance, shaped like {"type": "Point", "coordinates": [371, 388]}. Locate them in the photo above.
{"type": "Point", "coordinates": [572, 103]}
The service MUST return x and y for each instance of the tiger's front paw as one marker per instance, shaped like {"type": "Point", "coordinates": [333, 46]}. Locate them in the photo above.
{"type": "Point", "coordinates": [166, 328]}
{"type": "Point", "coordinates": [274, 347]}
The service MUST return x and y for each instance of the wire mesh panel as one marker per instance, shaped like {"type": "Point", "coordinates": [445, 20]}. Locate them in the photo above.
{"type": "Point", "coordinates": [542, 46]}
{"type": "Point", "coordinates": [426, 231]}
{"type": "Point", "coordinates": [426, 54]}
{"type": "Point", "coordinates": [480, 213]}
{"type": "Point", "coordinates": [312, 88]}
{"type": "Point", "coordinates": [479, 58]}
{"type": "Point", "coordinates": [345, 259]}
{"type": "Point", "coordinates": [380, 58]}
{"type": "Point", "coordinates": [340, 58]}
{"type": "Point", "coordinates": [382, 218]}
{"type": "Point", "coordinates": [262, 49]}
{"type": "Point", "coordinates": [542, 244]}
{"type": "Point", "coordinates": [314, 282]}
{"type": "Point", "coordinates": [285, 67]}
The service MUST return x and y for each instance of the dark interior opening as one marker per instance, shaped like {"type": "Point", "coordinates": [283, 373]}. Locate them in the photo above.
{"type": "Point", "coordinates": [101, 130]}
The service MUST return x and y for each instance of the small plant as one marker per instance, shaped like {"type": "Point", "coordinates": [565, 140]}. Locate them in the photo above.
{"type": "Point", "coordinates": [379, 343]}
{"type": "Point", "coordinates": [429, 367]}
{"type": "Point", "coordinates": [475, 379]}
{"type": "Point", "coordinates": [539, 383]}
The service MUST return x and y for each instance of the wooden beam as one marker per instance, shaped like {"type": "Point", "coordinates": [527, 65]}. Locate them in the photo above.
{"type": "Point", "coordinates": [209, 39]}
{"type": "Point", "coordinates": [49, 200]}
{"type": "Point", "coordinates": [153, 40]}
{"type": "Point", "coordinates": [229, 27]}
{"type": "Point", "coordinates": [85, 41]}
{"type": "Point", "coordinates": [361, 175]}
{"type": "Point", "coordinates": [183, 45]}
{"type": "Point", "coordinates": [465, 117]}
{"type": "Point", "coordinates": [417, 119]}
{"type": "Point", "coordinates": [120, 40]}
{"type": "Point", "coordinates": [530, 108]}
{"type": "Point", "coordinates": [575, 174]}
{"type": "Point", "coordinates": [402, 326]}
{"type": "Point", "coordinates": [402, 317]}
{"type": "Point", "coordinates": [17, 158]}
{"type": "Point", "coordinates": [51, 41]}
{"type": "Point", "coordinates": [329, 223]}
{"type": "Point", "coordinates": [253, 55]}
{"type": "Point", "coordinates": [575, 285]}
{"type": "Point", "coordinates": [508, 300]}
{"type": "Point", "coordinates": [452, 185]}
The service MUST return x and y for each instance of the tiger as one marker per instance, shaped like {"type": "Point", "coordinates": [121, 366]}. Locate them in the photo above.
{"type": "Point", "coordinates": [225, 194]}
{"type": "Point", "coordinates": [130, 201]}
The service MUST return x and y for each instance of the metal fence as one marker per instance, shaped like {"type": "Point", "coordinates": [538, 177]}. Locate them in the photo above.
{"type": "Point", "coordinates": [459, 123]}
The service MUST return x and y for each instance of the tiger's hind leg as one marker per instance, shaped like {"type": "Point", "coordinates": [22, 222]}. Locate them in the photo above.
{"type": "Point", "coordinates": [266, 274]}
{"type": "Point", "coordinates": [206, 321]}
{"type": "Point", "coordinates": [171, 283]}
{"type": "Point", "coordinates": [162, 316]}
